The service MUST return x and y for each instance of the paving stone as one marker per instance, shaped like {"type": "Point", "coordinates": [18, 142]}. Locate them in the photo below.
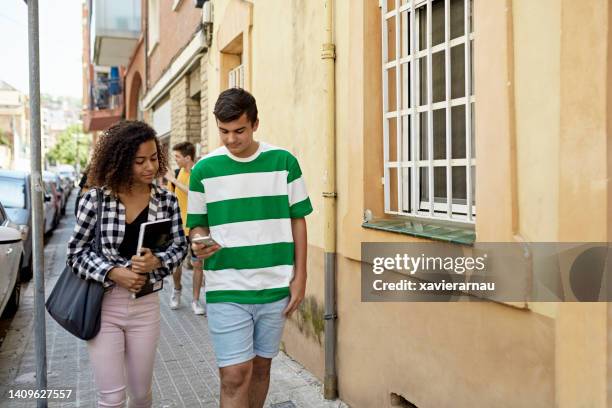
{"type": "Point", "coordinates": [185, 373]}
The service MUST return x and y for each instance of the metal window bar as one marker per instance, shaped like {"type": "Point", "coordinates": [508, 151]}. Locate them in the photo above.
{"type": "Point", "coordinates": [398, 106]}
{"type": "Point", "coordinates": [385, 81]}
{"type": "Point", "coordinates": [429, 80]}
{"type": "Point", "coordinates": [468, 110]}
{"type": "Point", "coordinates": [459, 219]}
{"type": "Point", "coordinates": [415, 89]}
{"type": "Point", "coordinates": [447, 90]}
{"type": "Point", "coordinates": [236, 77]}
{"type": "Point", "coordinates": [232, 79]}
{"type": "Point", "coordinates": [405, 62]}
{"type": "Point", "coordinates": [424, 209]}
{"type": "Point", "coordinates": [434, 49]}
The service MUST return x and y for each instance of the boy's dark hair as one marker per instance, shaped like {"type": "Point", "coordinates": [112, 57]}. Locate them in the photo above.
{"type": "Point", "coordinates": [113, 156]}
{"type": "Point", "coordinates": [233, 103]}
{"type": "Point", "coordinates": [186, 149]}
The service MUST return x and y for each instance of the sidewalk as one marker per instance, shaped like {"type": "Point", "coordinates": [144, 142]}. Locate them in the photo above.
{"type": "Point", "coordinates": [185, 370]}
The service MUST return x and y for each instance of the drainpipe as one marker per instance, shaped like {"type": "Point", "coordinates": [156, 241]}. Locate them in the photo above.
{"type": "Point", "coordinates": [328, 55]}
{"type": "Point", "coordinates": [146, 51]}
{"type": "Point", "coordinates": [516, 232]}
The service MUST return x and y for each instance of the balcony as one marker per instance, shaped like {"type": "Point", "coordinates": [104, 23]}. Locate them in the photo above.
{"type": "Point", "coordinates": [105, 103]}
{"type": "Point", "coordinates": [115, 28]}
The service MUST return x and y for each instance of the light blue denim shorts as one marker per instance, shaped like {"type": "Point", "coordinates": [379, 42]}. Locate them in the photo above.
{"type": "Point", "coordinates": [239, 332]}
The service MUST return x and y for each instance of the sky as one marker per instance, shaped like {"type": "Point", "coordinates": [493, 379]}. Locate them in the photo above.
{"type": "Point", "coordinates": [60, 46]}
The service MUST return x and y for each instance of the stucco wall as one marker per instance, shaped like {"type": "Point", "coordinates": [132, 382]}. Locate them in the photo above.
{"type": "Point", "coordinates": [542, 150]}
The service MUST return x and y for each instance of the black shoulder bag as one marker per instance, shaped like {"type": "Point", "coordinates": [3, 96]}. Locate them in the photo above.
{"type": "Point", "coordinates": [76, 303]}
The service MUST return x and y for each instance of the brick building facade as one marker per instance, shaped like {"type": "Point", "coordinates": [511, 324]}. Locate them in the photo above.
{"type": "Point", "coordinates": [163, 79]}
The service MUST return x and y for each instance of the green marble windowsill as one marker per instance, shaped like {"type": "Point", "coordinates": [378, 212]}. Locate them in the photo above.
{"type": "Point", "coordinates": [457, 235]}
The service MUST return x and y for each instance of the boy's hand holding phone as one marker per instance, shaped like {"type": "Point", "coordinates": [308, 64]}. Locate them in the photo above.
{"type": "Point", "coordinates": [204, 247]}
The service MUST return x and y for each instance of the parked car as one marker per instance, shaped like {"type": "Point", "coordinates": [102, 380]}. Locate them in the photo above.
{"type": "Point", "coordinates": [17, 202]}
{"type": "Point", "coordinates": [52, 189]}
{"type": "Point", "coordinates": [67, 173]}
{"type": "Point", "coordinates": [67, 184]}
{"type": "Point", "coordinates": [60, 191]}
{"type": "Point", "coordinates": [11, 258]}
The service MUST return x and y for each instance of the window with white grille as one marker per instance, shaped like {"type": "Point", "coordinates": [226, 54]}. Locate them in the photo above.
{"type": "Point", "coordinates": [428, 109]}
{"type": "Point", "coordinates": [236, 77]}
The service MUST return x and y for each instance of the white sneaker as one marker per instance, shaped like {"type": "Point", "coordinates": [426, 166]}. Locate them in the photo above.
{"type": "Point", "coordinates": [175, 300]}
{"type": "Point", "coordinates": [198, 308]}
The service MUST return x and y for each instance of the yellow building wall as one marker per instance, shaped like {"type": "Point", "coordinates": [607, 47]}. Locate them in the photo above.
{"type": "Point", "coordinates": [286, 78]}
{"type": "Point", "coordinates": [537, 67]}
{"type": "Point", "coordinates": [541, 149]}
{"type": "Point", "coordinates": [480, 354]}
{"type": "Point", "coordinates": [561, 88]}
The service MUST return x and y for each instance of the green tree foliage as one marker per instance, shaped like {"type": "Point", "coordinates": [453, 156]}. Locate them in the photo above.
{"type": "Point", "coordinates": [69, 143]}
{"type": "Point", "coordinates": [4, 140]}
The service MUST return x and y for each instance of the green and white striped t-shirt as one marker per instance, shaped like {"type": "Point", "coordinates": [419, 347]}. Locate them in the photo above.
{"type": "Point", "coordinates": [248, 205]}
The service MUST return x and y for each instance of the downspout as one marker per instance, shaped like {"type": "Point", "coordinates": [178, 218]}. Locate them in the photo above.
{"type": "Point", "coordinates": [328, 55]}
{"type": "Point", "coordinates": [514, 187]}
{"type": "Point", "coordinates": [146, 50]}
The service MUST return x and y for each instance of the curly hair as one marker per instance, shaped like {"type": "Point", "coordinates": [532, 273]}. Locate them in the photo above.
{"type": "Point", "coordinates": [113, 156]}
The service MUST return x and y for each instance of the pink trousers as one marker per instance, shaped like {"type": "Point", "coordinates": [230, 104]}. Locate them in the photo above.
{"type": "Point", "coordinates": [123, 353]}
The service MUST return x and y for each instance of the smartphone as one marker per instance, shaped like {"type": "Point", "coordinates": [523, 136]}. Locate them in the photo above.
{"type": "Point", "coordinates": [207, 240]}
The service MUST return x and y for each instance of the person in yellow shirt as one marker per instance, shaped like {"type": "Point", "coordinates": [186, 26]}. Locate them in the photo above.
{"type": "Point", "coordinates": [184, 155]}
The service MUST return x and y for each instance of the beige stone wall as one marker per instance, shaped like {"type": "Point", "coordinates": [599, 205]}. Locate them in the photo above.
{"type": "Point", "coordinates": [204, 106]}
{"type": "Point", "coordinates": [186, 114]}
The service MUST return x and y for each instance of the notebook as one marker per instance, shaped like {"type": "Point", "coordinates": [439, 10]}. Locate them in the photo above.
{"type": "Point", "coordinates": [155, 235]}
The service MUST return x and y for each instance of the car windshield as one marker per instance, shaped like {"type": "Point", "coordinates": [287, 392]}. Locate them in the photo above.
{"type": "Point", "coordinates": [12, 192]}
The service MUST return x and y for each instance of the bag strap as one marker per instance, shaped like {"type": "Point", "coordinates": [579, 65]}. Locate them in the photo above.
{"type": "Point", "coordinates": [99, 194]}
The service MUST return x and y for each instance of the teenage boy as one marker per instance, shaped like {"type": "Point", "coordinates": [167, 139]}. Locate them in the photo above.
{"type": "Point", "coordinates": [251, 198]}
{"type": "Point", "coordinates": [184, 154]}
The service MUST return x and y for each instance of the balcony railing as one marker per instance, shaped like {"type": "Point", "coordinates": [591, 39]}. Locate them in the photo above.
{"type": "Point", "coordinates": [236, 77]}
{"type": "Point", "coordinates": [105, 103]}
{"type": "Point", "coordinates": [105, 93]}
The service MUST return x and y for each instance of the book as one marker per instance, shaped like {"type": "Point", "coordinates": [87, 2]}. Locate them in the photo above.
{"type": "Point", "coordinates": [149, 287]}
{"type": "Point", "coordinates": [156, 236]}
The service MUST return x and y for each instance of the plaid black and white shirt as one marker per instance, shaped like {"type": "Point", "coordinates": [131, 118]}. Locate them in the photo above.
{"type": "Point", "coordinates": [82, 257]}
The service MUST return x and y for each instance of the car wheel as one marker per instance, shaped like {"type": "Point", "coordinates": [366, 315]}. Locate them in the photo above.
{"type": "Point", "coordinates": [13, 303]}
{"type": "Point", "coordinates": [28, 271]}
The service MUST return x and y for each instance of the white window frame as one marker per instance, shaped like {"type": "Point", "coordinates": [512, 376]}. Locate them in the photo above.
{"type": "Point", "coordinates": [153, 24]}
{"type": "Point", "coordinates": [407, 197]}
{"type": "Point", "coordinates": [236, 77]}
